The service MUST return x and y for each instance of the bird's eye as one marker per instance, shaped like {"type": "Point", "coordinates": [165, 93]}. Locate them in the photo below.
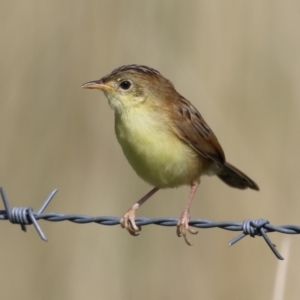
{"type": "Point", "coordinates": [125, 85]}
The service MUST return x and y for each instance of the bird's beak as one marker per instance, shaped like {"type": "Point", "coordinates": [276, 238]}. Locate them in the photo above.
{"type": "Point", "coordinates": [96, 84]}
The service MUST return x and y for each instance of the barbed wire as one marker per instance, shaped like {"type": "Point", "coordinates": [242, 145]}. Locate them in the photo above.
{"type": "Point", "coordinates": [252, 227]}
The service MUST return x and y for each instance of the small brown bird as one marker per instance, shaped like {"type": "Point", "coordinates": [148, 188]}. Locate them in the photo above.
{"type": "Point", "coordinates": [164, 138]}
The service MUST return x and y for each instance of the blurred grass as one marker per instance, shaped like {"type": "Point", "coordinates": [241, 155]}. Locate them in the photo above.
{"type": "Point", "coordinates": [237, 61]}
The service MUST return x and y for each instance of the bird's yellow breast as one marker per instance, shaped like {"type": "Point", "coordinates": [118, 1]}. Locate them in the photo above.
{"type": "Point", "coordinates": [155, 153]}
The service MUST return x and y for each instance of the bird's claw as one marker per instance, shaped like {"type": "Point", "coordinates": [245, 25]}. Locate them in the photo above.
{"type": "Point", "coordinates": [128, 222]}
{"type": "Point", "coordinates": [183, 227]}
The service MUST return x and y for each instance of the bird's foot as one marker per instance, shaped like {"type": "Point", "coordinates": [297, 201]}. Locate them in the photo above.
{"type": "Point", "coordinates": [183, 227]}
{"type": "Point", "coordinates": [128, 222]}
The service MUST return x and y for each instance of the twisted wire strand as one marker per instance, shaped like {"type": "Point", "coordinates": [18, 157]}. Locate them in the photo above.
{"type": "Point", "coordinates": [25, 216]}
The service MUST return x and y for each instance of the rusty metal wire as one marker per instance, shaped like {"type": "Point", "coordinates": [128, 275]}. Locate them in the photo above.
{"type": "Point", "coordinates": [252, 227]}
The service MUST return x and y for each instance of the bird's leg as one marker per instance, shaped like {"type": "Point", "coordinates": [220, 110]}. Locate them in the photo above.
{"type": "Point", "coordinates": [128, 220]}
{"type": "Point", "coordinates": [183, 223]}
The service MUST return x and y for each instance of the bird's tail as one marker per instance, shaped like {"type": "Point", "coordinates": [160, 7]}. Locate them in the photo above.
{"type": "Point", "coordinates": [236, 178]}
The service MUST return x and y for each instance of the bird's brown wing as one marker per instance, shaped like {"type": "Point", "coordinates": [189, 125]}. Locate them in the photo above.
{"type": "Point", "coordinates": [188, 125]}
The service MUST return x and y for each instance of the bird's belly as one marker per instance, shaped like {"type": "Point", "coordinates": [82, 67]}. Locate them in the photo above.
{"type": "Point", "coordinates": [158, 156]}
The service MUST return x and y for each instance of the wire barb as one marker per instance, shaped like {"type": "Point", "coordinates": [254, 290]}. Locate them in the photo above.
{"type": "Point", "coordinates": [256, 228]}
{"type": "Point", "coordinates": [26, 216]}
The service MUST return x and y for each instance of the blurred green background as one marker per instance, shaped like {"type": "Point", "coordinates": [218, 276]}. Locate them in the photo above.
{"type": "Point", "coordinates": [237, 61]}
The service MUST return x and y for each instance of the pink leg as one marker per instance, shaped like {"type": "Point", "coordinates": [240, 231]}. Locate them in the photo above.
{"type": "Point", "coordinates": [183, 223]}
{"type": "Point", "coordinates": [128, 220]}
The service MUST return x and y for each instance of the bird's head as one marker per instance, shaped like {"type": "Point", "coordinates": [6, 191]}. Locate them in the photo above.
{"type": "Point", "coordinates": [132, 85]}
